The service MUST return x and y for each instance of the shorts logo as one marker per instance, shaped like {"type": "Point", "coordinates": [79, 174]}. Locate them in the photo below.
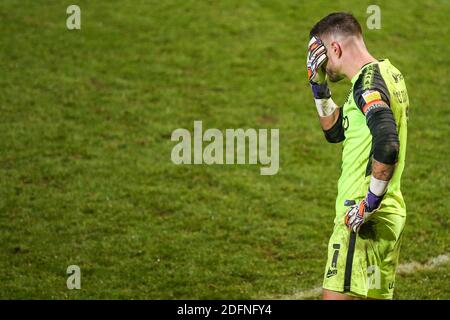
{"type": "Point", "coordinates": [332, 271]}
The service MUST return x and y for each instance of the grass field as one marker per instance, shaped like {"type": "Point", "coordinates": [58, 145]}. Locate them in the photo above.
{"type": "Point", "coordinates": [85, 171]}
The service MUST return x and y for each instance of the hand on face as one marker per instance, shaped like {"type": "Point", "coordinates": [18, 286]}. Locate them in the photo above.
{"type": "Point", "coordinates": [332, 65]}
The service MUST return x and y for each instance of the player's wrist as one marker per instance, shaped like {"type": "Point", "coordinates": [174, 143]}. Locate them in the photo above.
{"type": "Point", "coordinates": [320, 90]}
{"type": "Point", "coordinates": [373, 201]}
{"type": "Point", "coordinates": [376, 192]}
{"type": "Point", "coordinates": [322, 97]}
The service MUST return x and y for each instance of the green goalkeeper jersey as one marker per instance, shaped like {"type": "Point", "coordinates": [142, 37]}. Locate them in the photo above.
{"type": "Point", "coordinates": [374, 82]}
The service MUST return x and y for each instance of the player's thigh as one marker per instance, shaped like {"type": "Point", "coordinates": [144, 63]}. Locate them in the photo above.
{"type": "Point", "coordinates": [339, 246]}
{"type": "Point", "coordinates": [362, 265]}
{"type": "Point", "coordinates": [346, 267]}
{"type": "Point", "coordinates": [381, 268]}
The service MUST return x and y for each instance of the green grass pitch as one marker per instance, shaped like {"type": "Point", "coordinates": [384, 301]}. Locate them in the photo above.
{"type": "Point", "coordinates": [85, 123]}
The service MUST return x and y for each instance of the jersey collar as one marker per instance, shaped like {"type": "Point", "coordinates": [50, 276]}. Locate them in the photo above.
{"type": "Point", "coordinates": [356, 76]}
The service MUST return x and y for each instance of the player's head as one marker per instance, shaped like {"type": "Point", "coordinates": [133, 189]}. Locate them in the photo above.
{"type": "Point", "coordinates": [340, 32]}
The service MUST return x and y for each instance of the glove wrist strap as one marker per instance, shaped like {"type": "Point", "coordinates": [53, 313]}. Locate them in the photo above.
{"type": "Point", "coordinates": [322, 97]}
{"type": "Point", "coordinates": [325, 107]}
{"type": "Point", "coordinates": [377, 190]}
{"type": "Point", "coordinates": [378, 187]}
{"type": "Point", "coordinates": [320, 90]}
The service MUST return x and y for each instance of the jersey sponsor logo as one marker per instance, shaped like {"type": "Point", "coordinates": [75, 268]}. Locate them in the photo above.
{"type": "Point", "coordinates": [397, 77]}
{"type": "Point", "coordinates": [401, 95]}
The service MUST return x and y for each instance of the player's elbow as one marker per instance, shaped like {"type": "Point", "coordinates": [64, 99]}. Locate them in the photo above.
{"type": "Point", "coordinates": [336, 133]}
{"type": "Point", "coordinates": [385, 139]}
{"type": "Point", "coordinates": [333, 138]}
{"type": "Point", "coordinates": [394, 148]}
{"type": "Point", "coordinates": [387, 152]}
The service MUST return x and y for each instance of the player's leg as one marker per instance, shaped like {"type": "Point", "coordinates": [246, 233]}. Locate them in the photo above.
{"type": "Point", "coordinates": [363, 265]}
{"type": "Point", "coordinates": [333, 295]}
{"type": "Point", "coordinates": [345, 274]}
{"type": "Point", "coordinates": [381, 276]}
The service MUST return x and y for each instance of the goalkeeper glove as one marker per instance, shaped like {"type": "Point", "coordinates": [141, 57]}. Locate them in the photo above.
{"type": "Point", "coordinates": [361, 212]}
{"type": "Point", "coordinates": [315, 62]}
{"type": "Point", "coordinates": [316, 58]}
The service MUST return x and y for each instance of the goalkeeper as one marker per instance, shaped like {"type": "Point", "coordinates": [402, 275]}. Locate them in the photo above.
{"type": "Point", "coordinates": [364, 247]}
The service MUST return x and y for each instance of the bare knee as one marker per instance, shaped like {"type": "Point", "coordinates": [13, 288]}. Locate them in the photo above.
{"type": "Point", "coordinates": [333, 295]}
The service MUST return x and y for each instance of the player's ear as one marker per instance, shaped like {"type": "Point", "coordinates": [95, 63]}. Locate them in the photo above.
{"type": "Point", "coordinates": [336, 49]}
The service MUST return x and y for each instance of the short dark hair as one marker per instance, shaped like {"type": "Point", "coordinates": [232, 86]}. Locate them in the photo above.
{"type": "Point", "coordinates": [337, 22]}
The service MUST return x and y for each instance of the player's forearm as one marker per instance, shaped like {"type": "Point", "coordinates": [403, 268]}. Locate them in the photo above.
{"type": "Point", "coordinates": [382, 171]}
{"type": "Point", "coordinates": [328, 121]}
{"type": "Point", "coordinates": [385, 153]}
{"type": "Point", "coordinates": [385, 143]}
{"type": "Point", "coordinates": [333, 127]}
{"type": "Point", "coordinates": [328, 111]}
{"type": "Point", "coordinates": [360, 212]}
{"type": "Point", "coordinates": [330, 115]}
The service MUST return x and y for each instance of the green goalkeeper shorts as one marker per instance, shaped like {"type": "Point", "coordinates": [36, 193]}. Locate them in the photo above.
{"type": "Point", "coordinates": [363, 264]}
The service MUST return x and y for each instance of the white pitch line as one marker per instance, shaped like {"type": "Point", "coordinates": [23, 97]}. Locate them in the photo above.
{"type": "Point", "coordinates": [402, 269]}
{"type": "Point", "coordinates": [411, 267]}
